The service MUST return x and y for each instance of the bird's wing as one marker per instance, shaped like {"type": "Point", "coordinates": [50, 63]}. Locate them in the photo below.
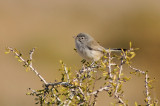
{"type": "Point", "coordinates": [92, 45]}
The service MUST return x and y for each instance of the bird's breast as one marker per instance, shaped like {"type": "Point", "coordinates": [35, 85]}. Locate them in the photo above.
{"type": "Point", "coordinates": [89, 54]}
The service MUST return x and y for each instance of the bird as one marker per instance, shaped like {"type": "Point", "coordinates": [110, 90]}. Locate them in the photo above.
{"type": "Point", "coordinates": [89, 49]}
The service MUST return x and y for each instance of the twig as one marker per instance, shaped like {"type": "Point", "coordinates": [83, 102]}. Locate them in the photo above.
{"type": "Point", "coordinates": [26, 63]}
{"type": "Point", "coordinates": [118, 82]}
{"type": "Point", "coordinates": [147, 90]}
{"type": "Point", "coordinates": [34, 92]}
{"type": "Point", "coordinates": [59, 83]}
{"type": "Point", "coordinates": [95, 93]}
{"type": "Point", "coordinates": [77, 91]}
{"type": "Point", "coordinates": [92, 90]}
{"type": "Point", "coordinates": [31, 54]}
{"type": "Point", "coordinates": [106, 88]}
{"type": "Point", "coordinates": [148, 98]}
{"type": "Point", "coordinates": [68, 101]}
{"type": "Point", "coordinates": [66, 72]}
{"type": "Point", "coordinates": [109, 67]}
{"type": "Point", "coordinates": [137, 70]}
{"type": "Point", "coordinates": [57, 98]}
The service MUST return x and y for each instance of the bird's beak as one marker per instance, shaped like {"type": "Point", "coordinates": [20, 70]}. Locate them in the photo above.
{"type": "Point", "coordinates": [74, 36]}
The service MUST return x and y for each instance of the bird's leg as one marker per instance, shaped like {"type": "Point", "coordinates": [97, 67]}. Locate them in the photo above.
{"type": "Point", "coordinates": [92, 63]}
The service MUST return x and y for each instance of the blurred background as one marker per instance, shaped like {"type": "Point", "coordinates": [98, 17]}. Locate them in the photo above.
{"type": "Point", "coordinates": [49, 25]}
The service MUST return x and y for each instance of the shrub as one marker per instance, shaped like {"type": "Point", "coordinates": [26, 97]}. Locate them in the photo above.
{"type": "Point", "coordinates": [79, 88]}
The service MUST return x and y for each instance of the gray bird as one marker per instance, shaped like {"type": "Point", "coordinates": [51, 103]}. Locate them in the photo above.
{"type": "Point", "coordinates": [89, 49]}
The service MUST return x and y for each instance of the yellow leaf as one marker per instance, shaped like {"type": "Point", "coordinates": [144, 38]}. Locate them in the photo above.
{"type": "Point", "coordinates": [28, 93]}
{"type": "Point", "coordinates": [103, 64]}
{"type": "Point", "coordinates": [130, 44]}
{"type": "Point", "coordinates": [7, 52]}
{"type": "Point", "coordinates": [132, 54]}
{"type": "Point", "coordinates": [105, 73]}
{"type": "Point", "coordinates": [121, 74]}
{"type": "Point", "coordinates": [16, 56]}
{"type": "Point", "coordinates": [105, 57]}
{"type": "Point", "coordinates": [136, 48]}
{"type": "Point", "coordinates": [114, 77]}
{"type": "Point", "coordinates": [19, 60]}
{"type": "Point", "coordinates": [61, 62]}
{"type": "Point", "coordinates": [136, 104]}
{"type": "Point", "coordinates": [27, 69]}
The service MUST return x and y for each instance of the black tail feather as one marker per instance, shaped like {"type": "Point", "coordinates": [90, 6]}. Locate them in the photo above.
{"type": "Point", "coordinates": [117, 49]}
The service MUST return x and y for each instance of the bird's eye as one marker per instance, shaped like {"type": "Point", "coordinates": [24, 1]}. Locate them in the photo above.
{"type": "Point", "coordinates": [82, 37]}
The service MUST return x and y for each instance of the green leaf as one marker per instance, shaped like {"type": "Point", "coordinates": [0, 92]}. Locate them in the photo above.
{"type": "Point", "coordinates": [62, 79]}
{"type": "Point", "coordinates": [75, 49]}
{"type": "Point", "coordinates": [83, 61]}
{"type": "Point", "coordinates": [56, 90]}
{"type": "Point", "coordinates": [99, 78]}
{"type": "Point", "coordinates": [37, 103]}
{"type": "Point", "coordinates": [29, 62]}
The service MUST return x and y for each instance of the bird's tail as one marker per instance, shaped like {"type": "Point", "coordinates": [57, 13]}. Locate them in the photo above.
{"type": "Point", "coordinates": [115, 49]}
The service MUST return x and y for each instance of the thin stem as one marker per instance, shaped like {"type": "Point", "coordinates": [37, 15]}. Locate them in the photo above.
{"type": "Point", "coordinates": [147, 90]}
{"type": "Point", "coordinates": [26, 63]}
{"type": "Point", "coordinates": [109, 66]}
{"type": "Point", "coordinates": [66, 72]}
{"type": "Point", "coordinates": [118, 82]}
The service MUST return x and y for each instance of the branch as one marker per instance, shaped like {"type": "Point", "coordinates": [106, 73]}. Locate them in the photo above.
{"type": "Point", "coordinates": [106, 88]}
{"type": "Point", "coordinates": [109, 67]}
{"type": "Point", "coordinates": [147, 91]}
{"type": "Point", "coordinates": [66, 72]}
{"type": "Point", "coordinates": [137, 70]}
{"type": "Point", "coordinates": [59, 83]}
{"type": "Point", "coordinates": [68, 101]}
{"type": "Point", "coordinates": [77, 89]}
{"type": "Point", "coordinates": [148, 98]}
{"type": "Point", "coordinates": [29, 64]}
{"type": "Point", "coordinates": [118, 81]}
